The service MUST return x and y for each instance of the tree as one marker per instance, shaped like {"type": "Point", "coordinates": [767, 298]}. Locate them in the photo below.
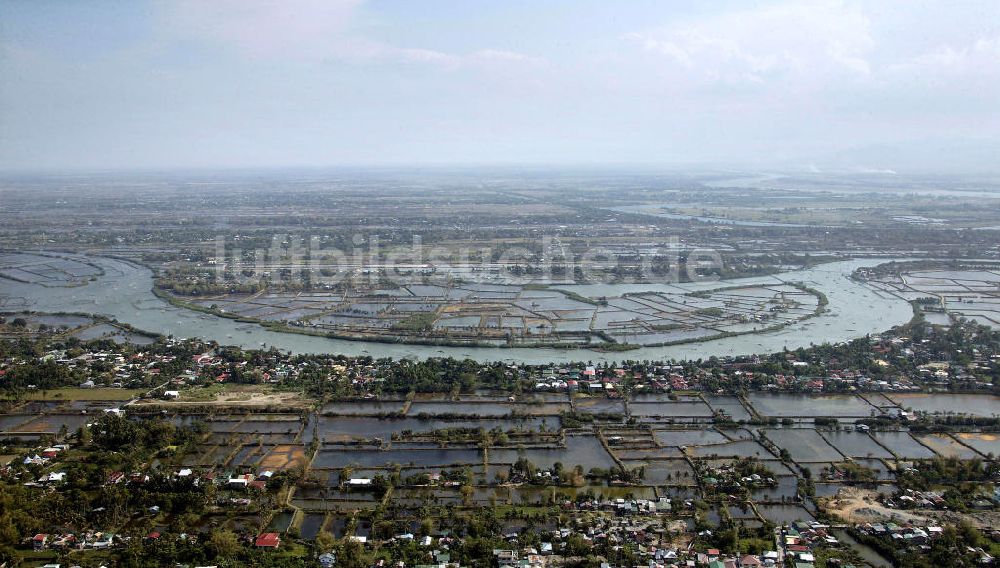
{"type": "Point", "coordinates": [224, 543]}
{"type": "Point", "coordinates": [325, 541]}
{"type": "Point", "coordinates": [352, 555]}
{"type": "Point", "coordinates": [83, 435]}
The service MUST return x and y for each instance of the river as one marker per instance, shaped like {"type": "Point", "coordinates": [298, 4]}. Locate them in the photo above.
{"type": "Point", "coordinates": [124, 292]}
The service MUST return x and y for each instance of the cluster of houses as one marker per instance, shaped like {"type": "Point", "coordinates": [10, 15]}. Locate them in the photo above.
{"type": "Point", "coordinates": [677, 377]}
{"type": "Point", "coordinates": [235, 481]}
{"type": "Point", "coordinates": [621, 506]}
{"type": "Point", "coordinates": [907, 536]}
{"type": "Point", "coordinates": [364, 375]}
{"type": "Point", "coordinates": [64, 541]}
{"type": "Point", "coordinates": [913, 499]}
{"type": "Point", "coordinates": [110, 368]}
{"type": "Point", "coordinates": [106, 540]}
{"type": "Point", "coordinates": [593, 379]}
{"type": "Point", "coordinates": [801, 538]}
{"type": "Point", "coordinates": [656, 558]}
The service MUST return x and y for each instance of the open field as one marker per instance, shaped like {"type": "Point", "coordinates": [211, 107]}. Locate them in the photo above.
{"type": "Point", "coordinates": [231, 395]}
{"type": "Point", "coordinates": [94, 394]}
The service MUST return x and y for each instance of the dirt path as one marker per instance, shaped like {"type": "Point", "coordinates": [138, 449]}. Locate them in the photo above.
{"type": "Point", "coordinates": [857, 505]}
{"type": "Point", "coordinates": [237, 398]}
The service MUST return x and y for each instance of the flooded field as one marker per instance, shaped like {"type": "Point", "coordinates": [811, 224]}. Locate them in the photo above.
{"type": "Point", "coordinates": [738, 449]}
{"type": "Point", "coordinates": [332, 428]}
{"type": "Point", "coordinates": [972, 293]}
{"type": "Point", "coordinates": [729, 405]}
{"type": "Point", "coordinates": [676, 437]}
{"type": "Point", "coordinates": [805, 445]}
{"type": "Point", "coordinates": [856, 445]}
{"type": "Point", "coordinates": [365, 439]}
{"type": "Point", "coordinates": [903, 445]}
{"type": "Point", "coordinates": [332, 457]}
{"type": "Point", "coordinates": [312, 523]}
{"type": "Point", "coordinates": [124, 292]}
{"type": "Point", "coordinates": [974, 404]}
{"type": "Point", "coordinates": [786, 489]}
{"type": "Point", "coordinates": [48, 269]}
{"type": "Point", "coordinates": [670, 409]}
{"type": "Point", "coordinates": [599, 405]}
{"type": "Point", "coordinates": [985, 443]}
{"type": "Point", "coordinates": [787, 405]}
{"type": "Point", "coordinates": [945, 445]}
{"type": "Point", "coordinates": [586, 451]}
{"type": "Point", "coordinates": [362, 407]}
{"type": "Point", "coordinates": [497, 314]}
{"type": "Point", "coordinates": [782, 514]}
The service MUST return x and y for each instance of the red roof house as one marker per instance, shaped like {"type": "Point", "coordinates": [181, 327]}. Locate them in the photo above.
{"type": "Point", "coordinates": [268, 540]}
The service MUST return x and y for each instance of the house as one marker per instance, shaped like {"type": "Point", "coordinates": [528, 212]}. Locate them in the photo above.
{"type": "Point", "coordinates": [54, 477]}
{"type": "Point", "coordinates": [171, 394]}
{"type": "Point", "coordinates": [39, 541]}
{"type": "Point", "coordinates": [241, 480]}
{"type": "Point", "coordinates": [327, 559]}
{"type": "Point", "coordinates": [505, 557]}
{"type": "Point", "coordinates": [750, 561]}
{"type": "Point", "coordinates": [268, 540]}
{"type": "Point", "coordinates": [104, 541]}
{"type": "Point", "coordinates": [63, 541]}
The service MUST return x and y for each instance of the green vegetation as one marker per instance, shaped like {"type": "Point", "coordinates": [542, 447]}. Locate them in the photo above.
{"type": "Point", "coordinates": [712, 312]}
{"type": "Point", "coordinates": [418, 322]}
{"type": "Point", "coordinates": [581, 298]}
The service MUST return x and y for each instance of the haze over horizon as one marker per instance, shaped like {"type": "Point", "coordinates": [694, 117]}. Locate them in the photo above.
{"type": "Point", "coordinates": [892, 86]}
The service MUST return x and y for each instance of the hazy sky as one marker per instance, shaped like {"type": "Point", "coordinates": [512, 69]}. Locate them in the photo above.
{"type": "Point", "coordinates": [888, 84]}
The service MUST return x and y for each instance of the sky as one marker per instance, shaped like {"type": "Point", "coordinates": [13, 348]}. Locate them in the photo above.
{"type": "Point", "coordinates": [880, 86]}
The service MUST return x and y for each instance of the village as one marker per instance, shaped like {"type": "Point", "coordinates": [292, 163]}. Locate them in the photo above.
{"type": "Point", "coordinates": [723, 462]}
